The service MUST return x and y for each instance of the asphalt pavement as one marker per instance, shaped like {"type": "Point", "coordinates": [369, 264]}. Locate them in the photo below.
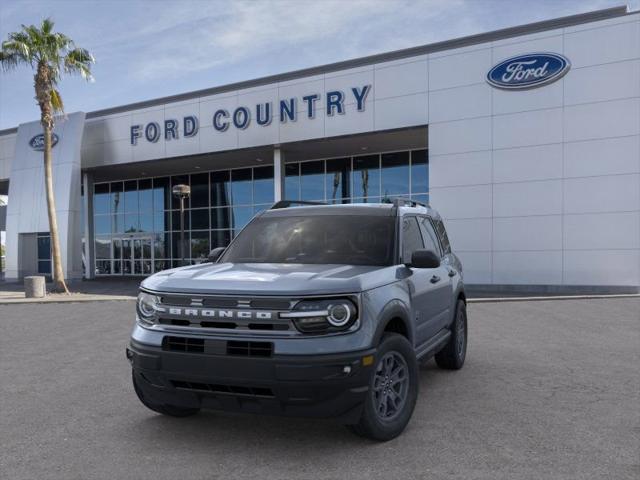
{"type": "Point", "coordinates": [550, 390]}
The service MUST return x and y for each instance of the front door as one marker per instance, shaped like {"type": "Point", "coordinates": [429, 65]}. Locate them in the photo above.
{"type": "Point", "coordinates": [133, 256]}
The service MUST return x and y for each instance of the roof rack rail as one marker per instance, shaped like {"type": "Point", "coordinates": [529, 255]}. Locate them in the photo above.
{"type": "Point", "coordinates": [291, 203]}
{"type": "Point", "coordinates": [406, 202]}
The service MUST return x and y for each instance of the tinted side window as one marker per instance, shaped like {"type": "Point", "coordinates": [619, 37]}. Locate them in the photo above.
{"type": "Point", "coordinates": [442, 233]}
{"type": "Point", "coordinates": [429, 236]}
{"type": "Point", "coordinates": [411, 238]}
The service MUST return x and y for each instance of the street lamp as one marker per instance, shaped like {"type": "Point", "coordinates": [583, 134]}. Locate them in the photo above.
{"type": "Point", "coordinates": [182, 192]}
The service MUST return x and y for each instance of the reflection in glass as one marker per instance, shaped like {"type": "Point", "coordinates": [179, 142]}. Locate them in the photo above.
{"type": "Point", "coordinates": [117, 248]}
{"type": "Point", "coordinates": [103, 247]}
{"type": "Point", "coordinates": [161, 194]}
{"type": "Point", "coordinates": [419, 171]}
{"type": "Point", "coordinates": [101, 198]}
{"type": "Point", "coordinates": [102, 224]}
{"type": "Point", "coordinates": [220, 238]}
{"type": "Point", "coordinates": [241, 186]}
{"type": "Point", "coordinates": [200, 190]}
{"type": "Point", "coordinates": [161, 221]}
{"type": "Point", "coordinates": [116, 198]}
{"type": "Point", "coordinates": [292, 181]}
{"type": "Point", "coordinates": [200, 245]}
{"type": "Point", "coordinates": [200, 219]}
{"type": "Point", "coordinates": [220, 218]}
{"type": "Point", "coordinates": [241, 216]}
{"type": "Point", "coordinates": [312, 181]}
{"type": "Point", "coordinates": [263, 185]}
{"type": "Point", "coordinates": [160, 242]}
{"type": "Point", "coordinates": [220, 189]}
{"type": "Point", "coordinates": [131, 203]}
{"type": "Point", "coordinates": [145, 195]}
{"type": "Point", "coordinates": [131, 223]}
{"type": "Point", "coordinates": [179, 180]}
{"type": "Point", "coordinates": [175, 220]}
{"type": "Point", "coordinates": [44, 267]}
{"type": "Point", "coordinates": [337, 180]}
{"type": "Point", "coordinates": [366, 177]}
{"type": "Point", "coordinates": [395, 174]}
{"type": "Point", "coordinates": [146, 222]}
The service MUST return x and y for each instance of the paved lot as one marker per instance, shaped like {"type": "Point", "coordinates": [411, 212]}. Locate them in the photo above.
{"type": "Point", "coordinates": [550, 390]}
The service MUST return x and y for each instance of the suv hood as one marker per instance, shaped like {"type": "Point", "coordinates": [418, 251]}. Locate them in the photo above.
{"type": "Point", "coordinates": [270, 279]}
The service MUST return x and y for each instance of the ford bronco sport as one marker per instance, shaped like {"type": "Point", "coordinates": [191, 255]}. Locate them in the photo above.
{"type": "Point", "coordinates": [312, 310]}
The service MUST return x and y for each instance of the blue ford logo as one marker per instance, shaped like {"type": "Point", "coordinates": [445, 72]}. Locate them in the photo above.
{"type": "Point", "coordinates": [528, 71]}
{"type": "Point", "coordinates": [37, 142]}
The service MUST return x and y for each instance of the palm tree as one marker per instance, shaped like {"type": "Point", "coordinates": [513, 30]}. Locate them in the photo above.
{"type": "Point", "coordinates": [50, 55]}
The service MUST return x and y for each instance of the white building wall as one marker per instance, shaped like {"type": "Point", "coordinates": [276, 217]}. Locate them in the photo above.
{"type": "Point", "coordinates": [7, 152]}
{"type": "Point", "coordinates": [542, 186]}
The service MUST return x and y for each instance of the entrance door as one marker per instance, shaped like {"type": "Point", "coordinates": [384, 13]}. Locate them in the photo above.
{"type": "Point", "coordinates": [133, 256]}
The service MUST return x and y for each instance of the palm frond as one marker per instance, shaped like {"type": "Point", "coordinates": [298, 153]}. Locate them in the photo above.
{"type": "Point", "coordinates": [79, 61]}
{"type": "Point", "coordinates": [56, 101]}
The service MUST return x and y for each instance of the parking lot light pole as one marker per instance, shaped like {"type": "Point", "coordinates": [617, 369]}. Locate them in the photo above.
{"type": "Point", "coordinates": [182, 192]}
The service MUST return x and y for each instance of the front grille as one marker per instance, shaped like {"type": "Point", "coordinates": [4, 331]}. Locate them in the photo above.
{"type": "Point", "coordinates": [249, 349]}
{"type": "Point", "coordinates": [228, 389]}
{"type": "Point", "coordinates": [183, 344]}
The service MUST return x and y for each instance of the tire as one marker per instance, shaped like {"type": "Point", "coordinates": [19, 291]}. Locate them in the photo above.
{"type": "Point", "coordinates": [452, 356]}
{"type": "Point", "coordinates": [170, 410]}
{"type": "Point", "coordinates": [385, 415]}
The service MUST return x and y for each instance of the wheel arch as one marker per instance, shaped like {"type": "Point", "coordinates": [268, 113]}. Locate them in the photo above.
{"type": "Point", "coordinates": [395, 317]}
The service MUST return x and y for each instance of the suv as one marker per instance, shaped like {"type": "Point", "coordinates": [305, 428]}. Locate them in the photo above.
{"type": "Point", "coordinates": [312, 310]}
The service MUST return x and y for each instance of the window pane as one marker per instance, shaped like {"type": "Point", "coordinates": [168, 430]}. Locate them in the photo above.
{"type": "Point", "coordinates": [179, 180]}
{"type": "Point", "coordinates": [44, 266]}
{"type": "Point", "coordinates": [146, 222]}
{"type": "Point", "coordinates": [102, 224]}
{"type": "Point", "coordinates": [411, 238]}
{"type": "Point", "coordinates": [200, 245]}
{"type": "Point", "coordinates": [103, 267]}
{"type": "Point", "coordinates": [312, 180]}
{"type": "Point", "coordinates": [200, 190]}
{"type": "Point", "coordinates": [395, 174]}
{"type": "Point", "coordinates": [241, 186]}
{"type": "Point", "coordinates": [44, 247]}
{"type": "Point", "coordinates": [117, 197]}
{"type": "Point", "coordinates": [160, 245]}
{"type": "Point", "coordinates": [161, 265]}
{"type": "Point", "coordinates": [101, 198]}
{"type": "Point", "coordinates": [292, 181]}
{"type": "Point", "coordinates": [103, 247]}
{"type": "Point", "coordinates": [145, 195]}
{"type": "Point", "coordinates": [117, 223]}
{"type": "Point", "coordinates": [220, 238]}
{"type": "Point", "coordinates": [263, 185]}
{"type": "Point", "coordinates": [117, 249]}
{"type": "Point", "coordinates": [220, 189]}
{"type": "Point", "coordinates": [175, 245]}
{"type": "Point", "coordinates": [220, 218]}
{"type": "Point", "coordinates": [161, 221]}
{"type": "Point", "coordinates": [200, 219]}
{"type": "Point", "coordinates": [366, 177]}
{"type": "Point", "coordinates": [337, 180]}
{"type": "Point", "coordinates": [241, 216]}
{"type": "Point", "coordinates": [175, 220]}
{"type": "Point", "coordinates": [131, 196]}
{"type": "Point", "coordinates": [429, 236]}
{"type": "Point", "coordinates": [161, 194]}
{"type": "Point", "coordinates": [419, 171]}
{"type": "Point", "coordinates": [131, 222]}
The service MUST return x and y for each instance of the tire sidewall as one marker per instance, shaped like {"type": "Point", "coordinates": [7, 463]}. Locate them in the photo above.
{"type": "Point", "coordinates": [383, 429]}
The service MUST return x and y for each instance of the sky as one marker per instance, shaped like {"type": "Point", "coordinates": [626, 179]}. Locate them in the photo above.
{"type": "Point", "coordinates": [150, 49]}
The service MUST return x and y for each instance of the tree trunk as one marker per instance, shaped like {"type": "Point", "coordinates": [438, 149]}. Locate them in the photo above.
{"type": "Point", "coordinates": [59, 284]}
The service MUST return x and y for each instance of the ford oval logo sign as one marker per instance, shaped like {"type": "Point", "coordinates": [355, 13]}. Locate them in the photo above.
{"type": "Point", "coordinates": [37, 142]}
{"type": "Point", "coordinates": [528, 71]}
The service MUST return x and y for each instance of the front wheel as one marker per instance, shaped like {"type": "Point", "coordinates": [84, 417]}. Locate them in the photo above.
{"type": "Point", "coordinates": [452, 356]}
{"type": "Point", "coordinates": [393, 390]}
{"type": "Point", "coordinates": [164, 409]}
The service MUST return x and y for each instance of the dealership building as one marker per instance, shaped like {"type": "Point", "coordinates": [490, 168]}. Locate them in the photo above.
{"type": "Point", "coordinates": [526, 140]}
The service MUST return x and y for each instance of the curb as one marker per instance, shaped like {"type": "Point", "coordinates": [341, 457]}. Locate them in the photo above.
{"type": "Point", "coordinates": [71, 299]}
{"type": "Point", "coordinates": [550, 298]}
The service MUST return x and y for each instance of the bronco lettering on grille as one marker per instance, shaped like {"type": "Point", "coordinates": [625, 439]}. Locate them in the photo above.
{"type": "Point", "coordinates": [213, 313]}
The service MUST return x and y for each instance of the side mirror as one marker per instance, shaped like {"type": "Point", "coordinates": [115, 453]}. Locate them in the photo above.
{"type": "Point", "coordinates": [424, 259]}
{"type": "Point", "coordinates": [214, 254]}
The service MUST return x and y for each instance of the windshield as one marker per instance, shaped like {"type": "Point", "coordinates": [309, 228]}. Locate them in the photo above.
{"type": "Point", "coordinates": [341, 239]}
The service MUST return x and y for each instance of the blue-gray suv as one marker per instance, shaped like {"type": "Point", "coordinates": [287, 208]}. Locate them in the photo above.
{"type": "Point", "coordinates": [312, 310]}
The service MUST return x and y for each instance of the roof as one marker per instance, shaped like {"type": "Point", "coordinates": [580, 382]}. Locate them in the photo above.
{"type": "Point", "coordinates": [371, 59]}
{"type": "Point", "coordinates": [364, 209]}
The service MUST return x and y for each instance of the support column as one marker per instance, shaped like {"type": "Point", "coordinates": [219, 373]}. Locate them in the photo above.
{"type": "Point", "coordinates": [278, 174]}
{"type": "Point", "coordinates": [87, 221]}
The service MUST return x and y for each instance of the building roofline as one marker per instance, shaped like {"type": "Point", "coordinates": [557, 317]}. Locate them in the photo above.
{"type": "Point", "coordinates": [494, 35]}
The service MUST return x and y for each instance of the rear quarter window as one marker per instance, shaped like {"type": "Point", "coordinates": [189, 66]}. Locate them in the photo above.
{"type": "Point", "coordinates": [442, 235]}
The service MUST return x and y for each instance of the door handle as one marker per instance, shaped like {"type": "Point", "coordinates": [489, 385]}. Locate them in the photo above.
{"type": "Point", "coordinates": [435, 279]}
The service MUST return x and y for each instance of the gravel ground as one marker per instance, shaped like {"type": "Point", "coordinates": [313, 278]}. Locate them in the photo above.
{"type": "Point", "coordinates": [551, 389]}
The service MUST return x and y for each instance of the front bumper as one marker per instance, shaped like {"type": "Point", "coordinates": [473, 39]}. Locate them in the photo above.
{"type": "Point", "coordinates": [293, 385]}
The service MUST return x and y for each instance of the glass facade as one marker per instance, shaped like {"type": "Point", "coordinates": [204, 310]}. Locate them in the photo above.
{"type": "Point", "coordinates": [361, 179]}
{"type": "Point", "coordinates": [137, 222]}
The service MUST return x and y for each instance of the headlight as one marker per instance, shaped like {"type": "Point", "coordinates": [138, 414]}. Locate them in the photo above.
{"type": "Point", "coordinates": [146, 307]}
{"type": "Point", "coordinates": [323, 315]}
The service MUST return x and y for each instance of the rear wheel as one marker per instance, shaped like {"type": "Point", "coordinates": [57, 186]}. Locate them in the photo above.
{"type": "Point", "coordinates": [393, 389]}
{"type": "Point", "coordinates": [164, 409]}
{"type": "Point", "coordinates": [452, 356]}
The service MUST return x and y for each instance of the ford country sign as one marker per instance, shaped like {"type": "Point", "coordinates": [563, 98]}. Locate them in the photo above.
{"type": "Point", "coordinates": [37, 142]}
{"type": "Point", "coordinates": [528, 71]}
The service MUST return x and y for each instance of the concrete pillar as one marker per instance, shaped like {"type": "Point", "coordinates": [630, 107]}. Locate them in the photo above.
{"type": "Point", "coordinates": [34, 287]}
{"type": "Point", "coordinates": [89, 255]}
{"type": "Point", "coordinates": [278, 174]}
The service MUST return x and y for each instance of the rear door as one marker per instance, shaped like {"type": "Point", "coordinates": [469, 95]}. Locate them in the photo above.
{"type": "Point", "coordinates": [420, 283]}
{"type": "Point", "coordinates": [440, 299]}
